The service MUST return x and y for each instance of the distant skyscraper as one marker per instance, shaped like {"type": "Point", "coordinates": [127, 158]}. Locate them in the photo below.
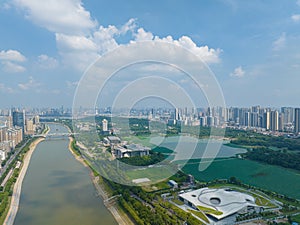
{"type": "Point", "coordinates": [281, 122]}
{"type": "Point", "coordinates": [253, 119]}
{"type": "Point", "coordinates": [288, 114]}
{"type": "Point", "coordinates": [176, 114]}
{"type": "Point", "coordinates": [19, 119]}
{"type": "Point", "coordinates": [266, 120]}
{"type": "Point", "coordinates": [104, 125]}
{"type": "Point", "coordinates": [297, 121]}
{"type": "Point", "coordinates": [274, 120]}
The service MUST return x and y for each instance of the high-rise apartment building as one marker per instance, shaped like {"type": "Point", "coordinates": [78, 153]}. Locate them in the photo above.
{"type": "Point", "coordinates": [104, 125]}
{"type": "Point", "coordinates": [274, 120]}
{"type": "Point", "coordinates": [297, 121]}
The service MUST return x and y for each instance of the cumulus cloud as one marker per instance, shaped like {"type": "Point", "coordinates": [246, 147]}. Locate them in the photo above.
{"type": "Point", "coordinates": [5, 89]}
{"type": "Point", "coordinates": [68, 16]}
{"type": "Point", "coordinates": [238, 72]}
{"type": "Point", "coordinates": [10, 60]}
{"type": "Point", "coordinates": [76, 51]}
{"type": "Point", "coordinates": [104, 38]}
{"type": "Point", "coordinates": [295, 17]}
{"type": "Point", "coordinates": [12, 67]}
{"type": "Point", "coordinates": [47, 62]}
{"type": "Point", "coordinates": [280, 42]}
{"type": "Point", "coordinates": [12, 55]}
{"type": "Point", "coordinates": [129, 26]}
{"type": "Point", "coordinates": [76, 43]}
{"type": "Point", "coordinates": [142, 35]}
{"type": "Point", "coordinates": [79, 39]}
{"type": "Point", "coordinates": [207, 54]}
{"type": "Point", "coordinates": [29, 85]}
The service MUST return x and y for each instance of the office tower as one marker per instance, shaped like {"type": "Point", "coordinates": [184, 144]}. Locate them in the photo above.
{"type": "Point", "coordinates": [176, 114]}
{"type": "Point", "coordinates": [203, 121]}
{"type": "Point", "coordinates": [255, 109]}
{"type": "Point", "coordinates": [19, 119]}
{"type": "Point", "coordinates": [104, 125]}
{"type": "Point", "coordinates": [297, 121]}
{"type": "Point", "coordinates": [288, 114]}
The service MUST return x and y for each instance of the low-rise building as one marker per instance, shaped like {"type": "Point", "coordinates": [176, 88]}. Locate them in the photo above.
{"type": "Point", "coordinates": [218, 203]}
{"type": "Point", "coordinates": [131, 150]}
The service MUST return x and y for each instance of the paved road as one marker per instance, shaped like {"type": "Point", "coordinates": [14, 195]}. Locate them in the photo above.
{"type": "Point", "coordinates": [17, 188]}
{"type": "Point", "coordinates": [4, 168]}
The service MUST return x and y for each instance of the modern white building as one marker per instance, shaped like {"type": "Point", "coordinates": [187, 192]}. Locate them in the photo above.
{"type": "Point", "coordinates": [104, 125]}
{"type": "Point", "coordinates": [131, 150]}
{"type": "Point", "coordinates": [218, 203]}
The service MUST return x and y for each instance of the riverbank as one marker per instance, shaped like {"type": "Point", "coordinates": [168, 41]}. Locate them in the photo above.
{"type": "Point", "coordinates": [120, 216]}
{"type": "Point", "coordinates": [15, 199]}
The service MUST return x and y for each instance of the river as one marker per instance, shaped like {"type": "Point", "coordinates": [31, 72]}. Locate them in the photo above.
{"type": "Point", "coordinates": [57, 189]}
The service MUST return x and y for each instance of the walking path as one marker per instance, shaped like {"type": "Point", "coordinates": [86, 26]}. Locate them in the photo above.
{"type": "Point", "coordinates": [15, 199]}
{"type": "Point", "coordinates": [122, 219]}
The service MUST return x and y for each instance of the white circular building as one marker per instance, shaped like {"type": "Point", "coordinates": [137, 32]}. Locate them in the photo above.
{"type": "Point", "coordinates": [218, 203]}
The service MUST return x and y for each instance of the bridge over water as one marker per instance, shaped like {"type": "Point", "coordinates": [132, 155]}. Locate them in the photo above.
{"type": "Point", "coordinates": [54, 135]}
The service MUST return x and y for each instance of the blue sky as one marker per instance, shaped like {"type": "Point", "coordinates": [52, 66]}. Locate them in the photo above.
{"type": "Point", "coordinates": [252, 47]}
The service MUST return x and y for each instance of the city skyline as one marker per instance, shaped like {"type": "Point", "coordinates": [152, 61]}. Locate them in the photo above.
{"type": "Point", "coordinates": [251, 47]}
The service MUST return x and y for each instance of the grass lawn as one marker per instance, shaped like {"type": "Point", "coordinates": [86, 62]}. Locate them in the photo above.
{"type": "Point", "coordinates": [177, 201]}
{"type": "Point", "coordinates": [209, 210]}
{"type": "Point", "coordinates": [152, 173]}
{"type": "Point", "coordinates": [296, 218]}
{"type": "Point", "coordinates": [200, 215]}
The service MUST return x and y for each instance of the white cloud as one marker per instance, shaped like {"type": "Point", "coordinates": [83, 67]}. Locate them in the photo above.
{"type": "Point", "coordinates": [68, 16]}
{"type": "Point", "coordinates": [238, 72]}
{"type": "Point", "coordinates": [12, 67]}
{"type": "Point", "coordinates": [5, 89]}
{"type": "Point", "coordinates": [280, 42]}
{"type": "Point", "coordinates": [76, 51]}
{"type": "Point", "coordinates": [76, 43]}
{"type": "Point", "coordinates": [47, 62]}
{"type": "Point", "coordinates": [31, 84]}
{"type": "Point", "coordinates": [104, 38]}
{"type": "Point", "coordinates": [129, 26]}
{"type": "Point", "coordinates": [5, 6]}
{"type": "Point", "coordinates": [80, 43]}
{"type": "Point", "coordinates": [12, 55]}
{"type": "Point", "coordinates": [72, 84]}
{"type": "Point", "coordinates": [295, 17]}
{"type": "Point", "coordinates": [207, 54]}
{"type": "Point", "coordinates": [10, 59]}
{"type": "Point", "coordinates": [142, 35]}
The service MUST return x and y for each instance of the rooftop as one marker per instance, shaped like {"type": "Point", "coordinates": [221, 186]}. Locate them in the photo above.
{"type": "Point", "coordinates": [225, 201]}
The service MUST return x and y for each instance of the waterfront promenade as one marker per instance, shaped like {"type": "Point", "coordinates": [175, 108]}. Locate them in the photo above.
{"type": "Point", "coordinates": [15, 199]}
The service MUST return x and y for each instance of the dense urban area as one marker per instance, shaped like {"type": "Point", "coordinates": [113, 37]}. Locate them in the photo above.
{"type": "Point", "coordinates": [268, 136]}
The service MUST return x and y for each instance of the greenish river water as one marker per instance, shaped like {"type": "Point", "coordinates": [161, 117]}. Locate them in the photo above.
{"type": "Point", "coordinates": [57, 189]}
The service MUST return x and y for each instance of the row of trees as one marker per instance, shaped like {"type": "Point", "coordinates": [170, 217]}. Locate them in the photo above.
{"type": "Point", "coordinates": [266, 155]}
{"type": "Point", "coordinates": [260, 140]}
{"type": "Point", "coordinates": [147, 208]}
{"type": "Point", "coordinates": [7, 191]}
{"type": "Point", "coordinates": [153, 158]}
